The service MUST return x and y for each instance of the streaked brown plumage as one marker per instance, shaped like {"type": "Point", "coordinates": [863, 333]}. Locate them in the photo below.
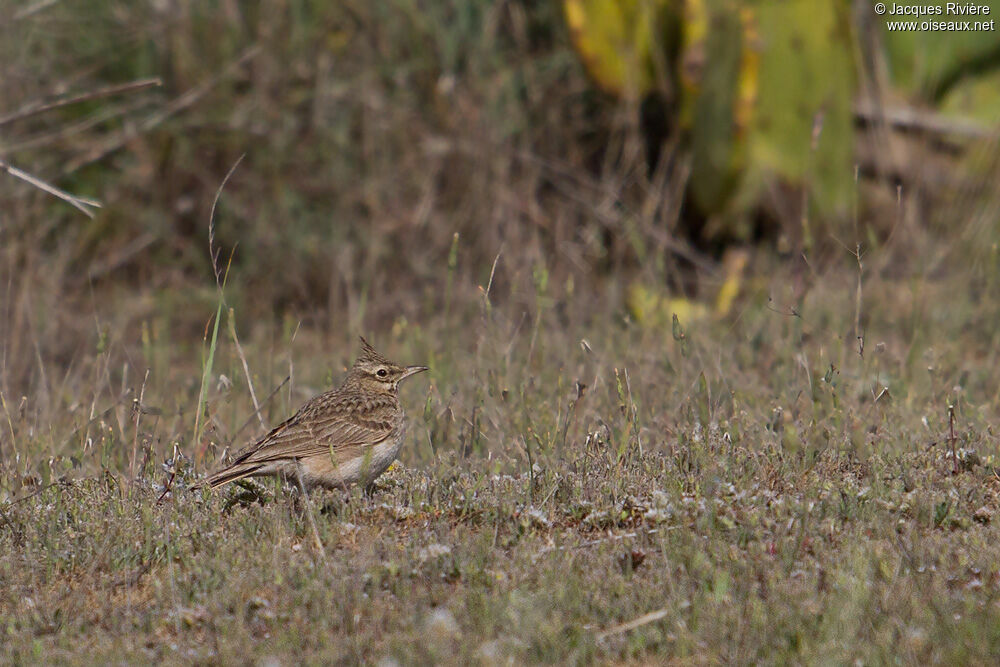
{"type": "Point", "coordinates": [347, 435]}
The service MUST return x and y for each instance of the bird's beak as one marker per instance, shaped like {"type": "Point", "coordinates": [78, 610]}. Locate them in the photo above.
{"type": "Point", "coordinates": [413, 370]}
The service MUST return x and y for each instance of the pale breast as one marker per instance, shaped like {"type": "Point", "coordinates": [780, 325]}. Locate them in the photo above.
{"type": "Point", "coordinates": [368, 465]}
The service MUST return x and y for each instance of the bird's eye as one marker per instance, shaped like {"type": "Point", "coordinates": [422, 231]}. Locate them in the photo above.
{"type": "Point", "coordinates": [381, 373]}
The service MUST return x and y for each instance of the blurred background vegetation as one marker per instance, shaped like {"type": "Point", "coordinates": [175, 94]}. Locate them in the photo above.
{"type": "Point", "coordinates": [628, 159]}
{"type": "Point", "coordinates": [720, 271]}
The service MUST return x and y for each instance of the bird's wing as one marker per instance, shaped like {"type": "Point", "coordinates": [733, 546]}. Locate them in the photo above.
{"type": "Point", "coordinates": [305, 435]}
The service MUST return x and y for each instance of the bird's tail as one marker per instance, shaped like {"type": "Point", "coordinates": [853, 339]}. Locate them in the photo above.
{"type": "Point", "coordinates": [230, 474]}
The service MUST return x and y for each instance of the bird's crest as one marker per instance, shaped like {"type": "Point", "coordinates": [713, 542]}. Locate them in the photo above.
{"type": "Point", "coordinates": [369, 354]}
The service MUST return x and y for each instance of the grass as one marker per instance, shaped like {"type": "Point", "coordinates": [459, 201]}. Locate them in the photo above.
{"type": "Point", "coordinates": [805, 474]}
{"type": "Point", "coordinates": [791, 499]}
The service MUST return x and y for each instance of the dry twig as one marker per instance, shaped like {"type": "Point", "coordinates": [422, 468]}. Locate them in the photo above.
{"type": "Point", "coordinates": [79, 203]}
{"type": "Point", "coordinates": [645, 619]}
{"type": "Point", "coordinates": [39, 107]}
{"type": "Point", "coordinates": [186, 100]}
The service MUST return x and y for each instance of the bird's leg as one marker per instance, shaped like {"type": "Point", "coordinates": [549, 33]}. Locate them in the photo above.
{"type": "Point", "coordinates": [297, 489]}
{"type": "Point", "coordinates": [318, 543]}
{"type": "Point", "coordinates": [333, 503]}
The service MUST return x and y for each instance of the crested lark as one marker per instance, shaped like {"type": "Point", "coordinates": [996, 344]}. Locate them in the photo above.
{"type": "Point", "coordinates": [347, 435]}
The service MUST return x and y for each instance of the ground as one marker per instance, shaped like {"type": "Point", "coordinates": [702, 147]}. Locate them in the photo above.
{"type": "Point", "coordinates": [800, 468]}
{"type": "Point", "coordinates": [760, 486]}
